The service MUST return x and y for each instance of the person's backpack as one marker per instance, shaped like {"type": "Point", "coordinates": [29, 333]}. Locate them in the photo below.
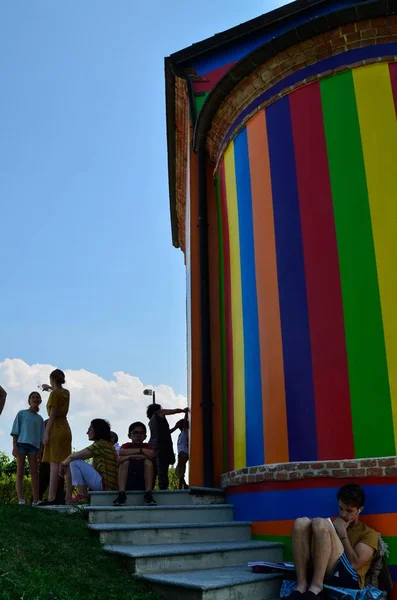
{"type": "Point", "coordinates": [378, 575]}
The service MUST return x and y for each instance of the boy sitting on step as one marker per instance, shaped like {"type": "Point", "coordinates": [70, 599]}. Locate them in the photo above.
{"type": "Point", "coordinates": [136, 466]}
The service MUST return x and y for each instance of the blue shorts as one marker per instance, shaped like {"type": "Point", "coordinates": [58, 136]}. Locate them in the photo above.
{"type": "Point", "coordinates": [27, 449]}
{"type": "Point", "coordinates": [343, 575]}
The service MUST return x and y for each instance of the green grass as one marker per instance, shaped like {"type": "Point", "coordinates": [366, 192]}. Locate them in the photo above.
{"type": "Point", "coordinates": [46, 555]}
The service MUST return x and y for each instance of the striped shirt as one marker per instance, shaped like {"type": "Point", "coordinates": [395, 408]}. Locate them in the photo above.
{"type": "Point", "coordinates": [105, 463]}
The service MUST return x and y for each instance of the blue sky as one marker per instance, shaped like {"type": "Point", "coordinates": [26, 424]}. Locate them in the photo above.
{"type": "Point", "coordinates": [89, 277]}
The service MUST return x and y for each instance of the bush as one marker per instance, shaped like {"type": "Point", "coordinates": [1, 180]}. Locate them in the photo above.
{"type": "Point", "coordinates": [8, 494]}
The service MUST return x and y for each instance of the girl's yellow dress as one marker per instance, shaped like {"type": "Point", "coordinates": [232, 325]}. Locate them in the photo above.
{"type": "Point", "coordinates": [60, 445]}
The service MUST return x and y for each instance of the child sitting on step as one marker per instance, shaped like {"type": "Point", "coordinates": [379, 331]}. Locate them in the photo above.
{"type": "Point", "coordinates": [136, 471]}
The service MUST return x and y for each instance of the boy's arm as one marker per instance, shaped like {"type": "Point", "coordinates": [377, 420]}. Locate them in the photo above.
{"type": "Point", "coordinates": [125, 452]}
{"type": "Point", "coordinates": [174, 429]}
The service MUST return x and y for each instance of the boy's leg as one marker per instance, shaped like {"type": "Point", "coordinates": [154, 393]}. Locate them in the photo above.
{"type": "Point", "coordinates": [326, 551]}
{"type": "Point", "coordinates": [162, 471]}
{"type": "Point", "coordinates": [60, 497]}
{"type": "Point", "coordinates": [301, 536]}
{"type": "Point", "coordinates": [148, 471]}
{"type": "Point", "coordinates": [44, 478]}
{"type": "Point", "coordinates": [34, 476]}
{"type": "Point", "coordinates": [20, 474]}
{"type": "Point", "coordinates": [181, 468]}
{"type": "Point", "coordinates": [123, 475]}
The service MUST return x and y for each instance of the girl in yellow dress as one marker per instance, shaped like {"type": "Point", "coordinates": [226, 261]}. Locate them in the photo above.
{"type": "Point", "coordinates": [58, 437]}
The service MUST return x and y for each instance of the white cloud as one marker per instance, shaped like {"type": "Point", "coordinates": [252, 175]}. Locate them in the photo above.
{"type": "Point", "coordinates": [119, 400]}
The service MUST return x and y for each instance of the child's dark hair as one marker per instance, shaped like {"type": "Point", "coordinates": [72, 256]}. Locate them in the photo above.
{"type": "Point", "coordinates": [136, 424]}
{"type": "Point", "coordinates": [114, 438]}
{"type": "Point", "coordinates": [352, 495]}
{"type": "Point", "coordinates": [58, 376]}
{"type": "Point", "coordinates": [151, 409]}
{"type": "Point", "coordinates": [101, 430]}
{"type": "Point", "coordinates": [33, 394]}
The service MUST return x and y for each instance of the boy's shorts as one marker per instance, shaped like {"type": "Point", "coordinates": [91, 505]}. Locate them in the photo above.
{"type": "Point", "coordinates": [27, 449]}
{"type": "Point", "coordinates": [343, 575]}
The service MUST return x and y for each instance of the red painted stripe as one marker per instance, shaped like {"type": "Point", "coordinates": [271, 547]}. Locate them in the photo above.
{"type": "Point", "coordinates": [393, 78]}
{"type": "Point", "coordinates": [324, 296]}
{"type": "Point", "coordinates": [297, 484]}
{"type": "Point", "coordinates": [211, 79]}
{"type": "Point", "coordinates": [228, 320]}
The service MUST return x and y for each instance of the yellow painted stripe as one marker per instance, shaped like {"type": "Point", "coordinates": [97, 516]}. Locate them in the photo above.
{"type": "Point", "coordinates": [237, 312]}
{"type": "Point", "coordinates": [378, 127]}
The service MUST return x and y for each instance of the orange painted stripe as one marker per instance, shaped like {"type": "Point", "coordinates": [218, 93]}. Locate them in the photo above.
{"type": "Point", "coordinates": [272, 527]}
{"type": "Point", "coordinates": [386, 524]}
{"type": "Point", "coordinates": [271, 352]}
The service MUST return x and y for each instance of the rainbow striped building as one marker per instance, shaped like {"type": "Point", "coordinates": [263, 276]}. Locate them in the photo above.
{"type": "Point", "coordinates": [282, 146]}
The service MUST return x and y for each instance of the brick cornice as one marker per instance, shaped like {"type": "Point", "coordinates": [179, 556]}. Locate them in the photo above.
{"type": "Point", "coordinates": [361, 34]}
{"type": "Point", "coordinates": [181, 148]}
{"type": "Point", "coordinates": [339, 469]}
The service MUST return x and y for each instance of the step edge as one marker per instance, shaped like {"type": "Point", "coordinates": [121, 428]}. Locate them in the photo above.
{"type": "Point", "coordinates": [153, 578]}
{"type": "Point", "coordinates": [160, 507]}
{"type": "Point", "coordinates": [133, 526]}
{"type": "Point", "coordinates": [193, 551]}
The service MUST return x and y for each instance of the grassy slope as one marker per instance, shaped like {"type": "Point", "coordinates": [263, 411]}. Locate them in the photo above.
{"type": "Point", "coordinates": [50, 556]}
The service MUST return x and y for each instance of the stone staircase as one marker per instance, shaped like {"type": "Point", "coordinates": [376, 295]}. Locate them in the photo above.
{"type": "Point", "coordinates": [188, 547]}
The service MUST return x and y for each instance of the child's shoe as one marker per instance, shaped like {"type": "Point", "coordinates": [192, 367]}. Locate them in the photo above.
{"type": "Point", "coordinates": [148, 499]}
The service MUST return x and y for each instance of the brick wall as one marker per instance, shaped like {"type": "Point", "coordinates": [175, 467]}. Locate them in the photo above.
{"type": "Point", "coordinates": [364, 467]}
{"type": "Point", "coordinates": [348, 37]}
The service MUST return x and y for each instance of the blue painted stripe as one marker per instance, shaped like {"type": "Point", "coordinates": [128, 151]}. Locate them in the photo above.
{"type": "Point", "coordinates": [253, 381]}
{"type": "Point", "coordinates": [238, 49]}
{"type": "Point", "coordinates": [345, 58]}
{"type": "Point", "coordinates": [318, 502]}
{"type": "Point", "coordinates": [301, 418]}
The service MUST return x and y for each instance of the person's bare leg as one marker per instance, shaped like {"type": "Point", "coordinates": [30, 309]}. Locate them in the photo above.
{"type": "Point", "coordinates": [82, 490]}
{"type": "Point", "coordinates": [326, 550]}
{"type": "Point", "coordinates": [123, 475]}
{"type": "Point", "coordinates": [19, 477]}
{"type": "Point", "coordinates": [301, 535]}
{"type": "Point", "coordinates": [34, 476]}
{"type": "Point", "coordinates": [54, 480]}
{"type": "Point", "coordinates": [69, 485]}
{"type": "Point", "coordinates": [148, 473]}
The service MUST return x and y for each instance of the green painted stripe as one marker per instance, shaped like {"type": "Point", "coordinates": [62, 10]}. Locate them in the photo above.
{"type": "Point", "coordinates": [222, 324]}
{"type": "Point", "coordinates": [199, 100]}
{"type": "Point", "coordinates": [368, 375]}
{"type": "Point", "coordinates": [392, 543]}
{"type": "Point", "coordinates": [284, 539]}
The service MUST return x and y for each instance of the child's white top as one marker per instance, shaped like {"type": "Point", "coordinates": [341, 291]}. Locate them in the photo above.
{"type": "Point", "coordinates": [183, 442]}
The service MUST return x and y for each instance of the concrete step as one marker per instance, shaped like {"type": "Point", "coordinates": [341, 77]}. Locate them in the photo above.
{"type": "Point", "coordinates": [173, 533]}
{"type": "Point", "coordinates": [161, 514]}
{"type": "Point", "coordinates": [227, 583]}
{"type": "Point", "coordinates": [166, 558]}
{"type": "Point", "coordinates": [194, 495]}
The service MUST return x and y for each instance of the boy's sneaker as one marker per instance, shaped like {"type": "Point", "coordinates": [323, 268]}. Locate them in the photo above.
{"type": "Point", "coordinates": [21, 501]}
{"type": "Point", "coordinates": [120, 500]}
{"type": "Point", "coordinates": [148, 499]}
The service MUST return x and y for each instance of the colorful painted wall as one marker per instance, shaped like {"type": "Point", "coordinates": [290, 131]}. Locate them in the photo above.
{"type": "Point", "coordinates": [273, 507]}
{"type": "Point", "coordinates": [307, 217]}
